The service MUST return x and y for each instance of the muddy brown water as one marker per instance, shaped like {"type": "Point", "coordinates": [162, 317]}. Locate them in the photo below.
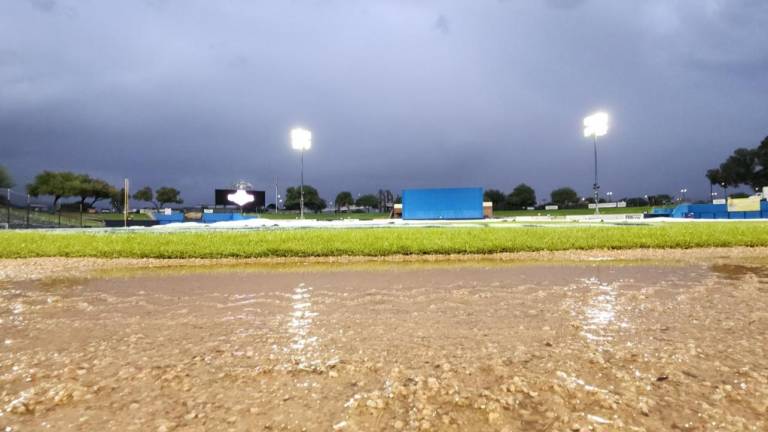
{"type": "Point", "coordinates": [497, 347]}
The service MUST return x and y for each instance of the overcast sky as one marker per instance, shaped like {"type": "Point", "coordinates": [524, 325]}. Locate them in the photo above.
{"type": "Point", "coordinates": [199, 94]}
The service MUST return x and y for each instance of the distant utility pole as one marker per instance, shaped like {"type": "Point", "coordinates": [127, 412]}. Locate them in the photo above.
{"type": "Point", "coordinates": [125, 202]}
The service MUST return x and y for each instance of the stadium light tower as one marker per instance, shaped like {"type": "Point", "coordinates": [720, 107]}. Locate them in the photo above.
{"type": "Point", "coordinates": [594, 126]}
{"type": "Point", "coordinates": [301, 139]}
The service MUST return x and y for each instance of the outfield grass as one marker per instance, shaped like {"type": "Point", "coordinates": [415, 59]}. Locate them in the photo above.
{"type": "Point", "coordinates": [376, 241]}
{"type": "Point", "coordinates": [572, 212]}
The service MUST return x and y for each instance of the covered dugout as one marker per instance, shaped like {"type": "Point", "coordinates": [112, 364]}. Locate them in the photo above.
{"type": "Point", "coordinates": [449, 203]}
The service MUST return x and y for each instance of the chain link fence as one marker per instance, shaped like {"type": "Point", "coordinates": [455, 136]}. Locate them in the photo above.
{"type": "Point", "coordinates": [19, 210]}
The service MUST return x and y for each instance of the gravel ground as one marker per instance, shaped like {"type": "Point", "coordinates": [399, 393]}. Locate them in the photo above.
{"type": "Point", "coordinates": [586, 341]}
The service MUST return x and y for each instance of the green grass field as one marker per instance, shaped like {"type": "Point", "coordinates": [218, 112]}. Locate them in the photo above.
{"type": "Point", "coordinates": [376, 241]}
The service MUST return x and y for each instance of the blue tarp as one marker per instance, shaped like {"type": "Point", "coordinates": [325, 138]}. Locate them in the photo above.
{"type": "Point", "coordinates": [221, 217]}
{"type": "Point", "coordinates": [661, 211]}
{"type": "Point", "coordinates": [451, 203]}
{"type": "Point", "coordinates": [715, 211]}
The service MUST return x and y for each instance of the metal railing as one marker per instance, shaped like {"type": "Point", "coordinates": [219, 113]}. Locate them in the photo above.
{"type": "Point", "coordinates": [20, 211]}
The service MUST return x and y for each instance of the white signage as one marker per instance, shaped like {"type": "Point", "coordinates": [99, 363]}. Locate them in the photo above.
{"type": "Point", "coordinates": [621, 204]}
{"type": "Point", "coordinates": [240, 197]}
{"type": "Point", "coordinates": [167, 211]}
{"type": "Point", "coordinates": [550, 207]}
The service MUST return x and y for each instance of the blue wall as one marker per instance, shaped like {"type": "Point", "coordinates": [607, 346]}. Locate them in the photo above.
{"type": "Point", "coordinates": [717, 211]}
{"type": "Point", "coordinates": [223, 217]}
{"type": "Point", "coordinates": [174, 217]}
{"type": "Point", "coordinates": [454, 203]}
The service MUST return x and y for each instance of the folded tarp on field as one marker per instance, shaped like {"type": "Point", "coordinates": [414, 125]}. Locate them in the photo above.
{"type": "Point", "coordinates": [221, 217]}
{"type": "Point", "coordinates": [448, 203]}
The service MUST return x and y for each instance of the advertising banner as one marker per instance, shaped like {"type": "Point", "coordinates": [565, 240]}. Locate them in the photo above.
{"type": "Point", "coordinates": [744, 204]}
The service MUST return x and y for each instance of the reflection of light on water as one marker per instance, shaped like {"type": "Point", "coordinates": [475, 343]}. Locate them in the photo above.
{"type": "Point", "coordinates": [600, 312]}
{"type": "Point", "coordinates": [300, 324]}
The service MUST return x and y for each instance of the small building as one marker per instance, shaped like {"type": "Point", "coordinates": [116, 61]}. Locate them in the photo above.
{"type": "Point", "coordinates": [446, 203]}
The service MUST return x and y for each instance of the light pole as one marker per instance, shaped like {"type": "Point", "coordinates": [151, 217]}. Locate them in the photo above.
{"type": "Point", "coordinates": [301, 139]}
{"type": "Point", "coordinates": [277, 196]}
{"type": "Point", "coordinates": [682, 193]}
{"type": "Point", "coordinates": [610, 196]}
{"type": "Point", "coordinates": [594, 126]}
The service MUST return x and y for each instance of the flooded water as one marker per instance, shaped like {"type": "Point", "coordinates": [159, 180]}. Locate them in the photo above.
{"type": "Point", "coordinates": [592, 346]}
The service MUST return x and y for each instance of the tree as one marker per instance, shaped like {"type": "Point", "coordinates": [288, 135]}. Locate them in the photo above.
{"type": "Point", "coordinates": [343, 199]}
{"type": "Point", "coordinates": [88, 187]}
{"type": "Point", "coordinates": [564, 197]}
{"type": "Point", "coordinates": [745, 167]}
{"type": "Point", "coordinates": [496, 197]}
{"type": "Point", "coordinates": [715, 177]}
{"type": "Point", "coordinates": [56, 184]}
{"type": "Point", "coordinates": [312, 199]}
{"type": "Point", "coordinates": [636, 202]}
{"type": "Point", "coordinates": [761, 159]}
{"type": "Point", "coordinates": [168, 195]}
{"type": "Point", "coordinates": [5, 179]}
{"type": "Point", "coordinates": [100, 190]}
{"type": "Point", "coordinates": [368, 201]}
{"type": "Point", "coordinates": [739, 168]}
{"type": "Point", "coordinates": [522, 196]}
{"type": "Point", "coordinates": [116, 198]}
{"type": "Point", "coordinates": [660, 199]}
{"type": "Point", "coordinates": [147, 195]}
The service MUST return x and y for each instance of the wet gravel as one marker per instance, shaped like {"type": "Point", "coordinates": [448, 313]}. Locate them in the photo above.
{"type": "Point", "coordinates": [566, 346]}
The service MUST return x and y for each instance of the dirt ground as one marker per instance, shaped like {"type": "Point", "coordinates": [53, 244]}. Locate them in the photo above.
{"type": "Point", "coordinates": [671, 340]}
{"type": "Point", "coordinates": [39, 268]}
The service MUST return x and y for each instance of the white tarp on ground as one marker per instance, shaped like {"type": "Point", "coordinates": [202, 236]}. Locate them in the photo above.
{"type": "Point", "coordinates": [511, 222]}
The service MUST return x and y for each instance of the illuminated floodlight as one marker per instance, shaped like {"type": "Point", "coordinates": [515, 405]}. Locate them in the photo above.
{"type": "Point", "coordinates": [596, 125]}
{"type": "Point", "coordinates": [301, 139]}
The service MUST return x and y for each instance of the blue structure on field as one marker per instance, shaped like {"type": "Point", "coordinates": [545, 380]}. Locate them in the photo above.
{"type": "Point", "coordinates": [177, 216]}
{"type": "Point", "coordinates": [712, 211]}
{"type": "Point", "coordinates": [165, 219]}
{"type": "Point", "coordinates": [451, 203]}
{"type": "Point", "coordinates": [222, 217]}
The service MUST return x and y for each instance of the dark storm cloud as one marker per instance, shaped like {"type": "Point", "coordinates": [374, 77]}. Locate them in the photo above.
{"type": "Point", "coordinates": [565, 4]}
{"type": "Point", "coordinates": [200, 94]}
{"type": "Point", "coordinates": [442, 25]}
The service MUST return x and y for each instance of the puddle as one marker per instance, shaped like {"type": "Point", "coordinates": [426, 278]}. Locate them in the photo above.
{"type": "Point", "coordinates": [594, 346]}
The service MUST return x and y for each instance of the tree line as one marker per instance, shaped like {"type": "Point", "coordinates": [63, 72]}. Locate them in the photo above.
{"type": "Point", "coordinates": [313, 202]}
{"type": "Point", "coordinates": [744, 166]}
{"type": "Point", "coordinates": [90, 190]}
{"type": "Point", "coordinates": [524, 196]}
